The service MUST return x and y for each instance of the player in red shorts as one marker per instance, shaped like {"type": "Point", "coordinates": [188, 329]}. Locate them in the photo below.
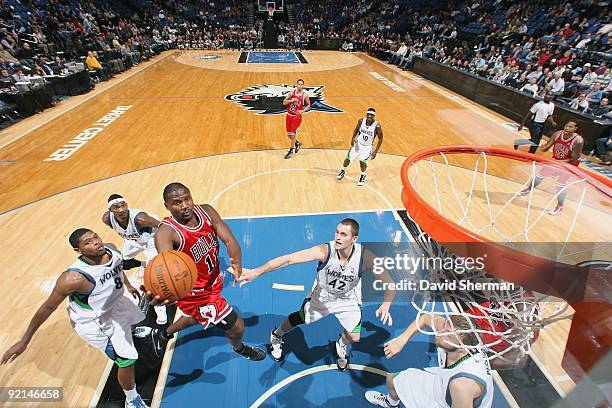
{"type": "Point", "coordinates": [567, 145]}
{"type": "Point", "coordinates": [489, 324]}
{"type": "Point", "coordinates": [297, 102]}
{"type": "Point", "coordinates": [194, 230]}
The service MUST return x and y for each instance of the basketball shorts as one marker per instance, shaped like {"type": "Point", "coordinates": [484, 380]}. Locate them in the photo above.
{"type": "Point", "coordinates": [347, 311]}
{"type": "Point", "coordinates": [562, 176]}
{"type": "Point", "coordinates": [363, 151]}
{"type": "Point", "coordinates": [206, 306]}
{"type": "Point", "coordinates": [112, 332]}
{"type": "Point", "coordinates": [416, 388]}
{"type": "Point", "coordinates": [292, 123]}
{"type": "Point", "coordinates": [131, 249]}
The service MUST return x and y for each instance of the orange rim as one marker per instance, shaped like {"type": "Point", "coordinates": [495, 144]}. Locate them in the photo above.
{"type": "Point", "coordinates": [527, 270]}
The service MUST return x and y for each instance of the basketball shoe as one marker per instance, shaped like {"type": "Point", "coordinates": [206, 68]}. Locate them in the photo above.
{"type": "Point", "coordinates": [362, 180]}
{"type": "Point", "coordinates": [341, 174]}
{"type": "Point", "coordinates": [379, 399]}
{"type": "Point", "coordinates": [298, 146]}
{"type": "Point", "coordinates": [342, 355]}
{"type": "Point", "coordinates": [136, 403]}
{"type": "Point", "coordinates": [251, 352]}
{"type": "Point", "coordinates": [276, 346]}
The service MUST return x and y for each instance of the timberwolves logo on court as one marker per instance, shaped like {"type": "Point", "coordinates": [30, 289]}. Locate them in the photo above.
{"type": "Point", "coordinates": [268, 99]}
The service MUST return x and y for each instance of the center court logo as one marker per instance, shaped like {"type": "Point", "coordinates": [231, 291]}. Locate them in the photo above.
{"type": "Point", "coordinates": [268, 99]}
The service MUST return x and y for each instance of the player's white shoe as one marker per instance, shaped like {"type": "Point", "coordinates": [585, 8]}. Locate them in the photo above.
{"type": "Point", "coordinates": [379, 399]}
{"type": "Point", "coordinates": [362, 180]}
{"type": "Point", "coordinates": [276, 346]}
{"type": "Point", "coordinates": [136, 403]}
{"type": "Point", "coordinates": [342, 356]}
{"type": "Point", "coordinates": [162, 315]}
{"type": "Point", "coordinates": [341, 175]}
{"type": "Point", "coordinates": [558, 210]}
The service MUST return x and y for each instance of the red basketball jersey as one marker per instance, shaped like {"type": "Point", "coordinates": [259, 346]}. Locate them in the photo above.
{"type": "Point", "coordinates": [201, 244]}
{"type": "Point", "coordinates": [562, 149]}
{"type": "Point", "coordinates": [296, 106]}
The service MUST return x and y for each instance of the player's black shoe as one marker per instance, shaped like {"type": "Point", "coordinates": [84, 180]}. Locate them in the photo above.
{"type": "Point", "coordinates": [289, 154]}
{"type": "Point", "coordinates": [251, 352]}
{"type": "Point", "coordinates": [160, 339]}
{"type": "Point", "coordinates": [298, 145]}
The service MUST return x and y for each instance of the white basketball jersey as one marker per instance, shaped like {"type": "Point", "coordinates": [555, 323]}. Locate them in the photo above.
{"type": "Point", "coordinates": [475, 367]}
{"type": "Point", "coordinates": [108, 288]}
{"type": "Point", "coordinates": [366, 133]}
{"type": "Point", "coordinates": [337, 280]}
{"type": "Point", "coordinates": [131, 232]}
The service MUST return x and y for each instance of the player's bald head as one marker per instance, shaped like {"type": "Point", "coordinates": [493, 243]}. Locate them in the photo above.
{"type": "Point", "coordinates": [173, 188]}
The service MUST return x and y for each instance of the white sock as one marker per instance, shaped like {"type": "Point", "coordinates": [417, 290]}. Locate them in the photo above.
{"type": "Point", "coordinates": [363, 173]}
{"type": "Point", "coordinates": [343, 168]}
{"type": "Point", "coordinates": [392, 401]}
{"type": "Point", "coordinates": [341, 342]}
{"type": "Point", "coordinates": [131, 394]}
{"type": "Point", "coordinates": [279, 332]}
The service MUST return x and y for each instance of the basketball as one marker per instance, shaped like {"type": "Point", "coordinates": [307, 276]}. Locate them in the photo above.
{"type": "Point", "coordinates": [170, 275]}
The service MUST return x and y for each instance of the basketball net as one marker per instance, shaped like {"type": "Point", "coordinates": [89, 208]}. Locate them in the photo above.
{"type": "Point", "coordinates": [270, 13]}
{"type": "Point", "coordinates": [509, 320]}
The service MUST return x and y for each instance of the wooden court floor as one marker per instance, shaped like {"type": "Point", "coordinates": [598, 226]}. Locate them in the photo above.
{"type": "Point", "coordinates": [176, 124]}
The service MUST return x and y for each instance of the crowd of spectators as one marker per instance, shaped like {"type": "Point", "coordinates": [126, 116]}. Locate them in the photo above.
{"type": "Point", "coordinates": [534, 46]}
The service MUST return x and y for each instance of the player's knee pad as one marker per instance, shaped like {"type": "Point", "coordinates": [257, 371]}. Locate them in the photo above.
{"type": "Point", "coordinates": [229, 322]}
{"type": "Point", "coordinates": [297, 318]}
{"type": "Point", "coordinates": [131, 263]}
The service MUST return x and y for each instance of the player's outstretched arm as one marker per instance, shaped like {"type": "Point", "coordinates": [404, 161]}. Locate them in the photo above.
{"type": "Point", "coordinates": [67, 283]}
{"type": "Point", "coordinates": [316, 253]}
{"type": "Point", "coordinates": [394, 346]}
{"type": "Point", "coordinates": [144, 220]}
{"type": "Point", "coordinates": [231, 243]}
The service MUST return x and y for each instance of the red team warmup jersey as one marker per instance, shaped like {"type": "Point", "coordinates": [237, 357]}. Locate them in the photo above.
{"type": "Point", "coordinates": [562, 149]}
{"type": "Point", "coordinates": [293, 120]}
{"type": "Point", "coordinates": [205, 302]}
{"type": "Point", "coordinates": [296, 106]}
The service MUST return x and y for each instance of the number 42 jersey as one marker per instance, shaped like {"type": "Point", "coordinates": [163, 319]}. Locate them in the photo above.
{"type": "Point", "coordinates": [341, 282]}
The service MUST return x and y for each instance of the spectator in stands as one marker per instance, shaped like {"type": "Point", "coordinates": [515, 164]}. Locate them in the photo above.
{"type": "Point", "coordinates": [603, 145]}
{"type": "Point", "coordinates": [580, 103]}
{"type": "Point", "coordinates": [59, 68]}
{"type": "Point", "coordinates": [6, 80]}
{"type": "Point", "coordinates": [558, 84]}
{"type": "Point", "coordinates": [595, 95]}
{"type": "Point", "coordinates": [19, 76]}
{"type": "Point", "coordinates": [603, 109]}
{"type": "Point", "coordinates": [400, 54]}
{"type": "Point", "coordinates": [531, 87]}
{"type": "Point", "coordinates": [94, 65]}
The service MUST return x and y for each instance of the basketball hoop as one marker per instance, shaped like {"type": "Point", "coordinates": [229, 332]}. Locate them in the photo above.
{"type": "Point", "coordinates": [462, 203]}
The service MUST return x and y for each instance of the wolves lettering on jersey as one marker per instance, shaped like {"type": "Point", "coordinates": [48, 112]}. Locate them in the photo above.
{"type": "Point", "coordinates": [296, 106]}
{"type": "Point", "coordinates": [367, 133]}
{"type": "Point", "coordinates": [108, 287]}
{"type": "Point", "coordinates": [201, 244]}
{"type": "Point", "coordinates": [337, 279]}
{"type": "Point", "coordinates": [562, 149]}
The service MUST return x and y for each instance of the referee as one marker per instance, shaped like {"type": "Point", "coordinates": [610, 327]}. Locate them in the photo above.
{"type": "Point", "coordinates": [538, 115]}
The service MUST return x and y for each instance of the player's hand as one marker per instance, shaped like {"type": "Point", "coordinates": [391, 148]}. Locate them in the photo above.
{"type": "Point", "coordinates": [383, 313]}
{"type": "Point", "coordinates": [520, 127]}
{"type": "Point", "coordinates": [236, 270]}
{"type": "Point", "coordinates": [394, 347]}
{"type": "Point", "coordinates": [133, 291]}
{"type": "Point", "coordinates": [155, 299]}
{"type": "Point", "coordinates": [373, 156]}
{"type": "Point", "coordinates": [248, 275]}
{"type": "Point", "coordinates": [14, 352]}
